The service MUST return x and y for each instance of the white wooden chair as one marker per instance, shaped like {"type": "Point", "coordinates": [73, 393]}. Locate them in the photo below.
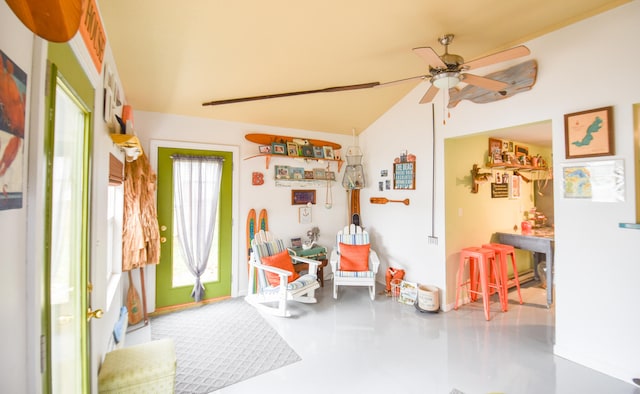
{"type": "Point", "coordinates": [273, 299]}
{"type": "Point", "coordinates": [354, 235]}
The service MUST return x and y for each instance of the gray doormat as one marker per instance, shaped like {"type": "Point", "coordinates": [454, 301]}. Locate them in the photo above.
{"type": "Point", "coordinates": [220, 344]}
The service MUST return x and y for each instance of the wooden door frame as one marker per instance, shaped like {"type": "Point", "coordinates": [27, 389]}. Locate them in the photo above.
{"type": "Point", "coordinates": [150, 271]}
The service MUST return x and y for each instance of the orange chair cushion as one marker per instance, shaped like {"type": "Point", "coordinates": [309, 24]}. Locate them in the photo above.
{"type": "Point", "coordinates": [354, 257]}
{"type": "Point", "coordinates": [281, 260]}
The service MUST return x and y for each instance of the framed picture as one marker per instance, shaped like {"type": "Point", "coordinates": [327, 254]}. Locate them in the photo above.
{"type": "Point", "coordinates": [495, 146]}
{"type": "Point", "coordinates": [296, 173]}
{"type": "Point", "coordinates": [282, 172]}
{"type": "Point", "coordinates": [589, 133]}
{"type": "Point", "coordinates": [521, 150]}
{"type": "Point", "coordinates": [319, 173]}
{"type": "Point", "coordinates": [328, 152]}
{"type": "Point", "coordinates": [318, 153]}
{"type": "Point", "coordinates": [278, 148]}
{"type": "Point", "coordinates": [264, 148]}
{"type": "Point", "coordinates": [330, 175]}
{"type": "Point", "coordinates": [307, 150]}
{"type": "Point", "coordinates": [303, 197]}
{"type": "Point", "coordinates": [296, 242]}
{"type": "Point", "coordinates": [292, 149]}
{"type": "Point", "coordinates": [304, 215]}
{"type": "Point", "coordinates": [308, 174]}
{"type": "Point", "coordinates": [514, 187]}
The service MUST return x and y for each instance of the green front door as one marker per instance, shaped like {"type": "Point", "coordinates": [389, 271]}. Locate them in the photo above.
{"type": "Point", "coordinates": [174, 283]}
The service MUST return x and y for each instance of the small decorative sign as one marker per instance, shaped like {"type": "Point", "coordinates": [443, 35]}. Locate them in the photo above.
{"type": "Point", "coordinates": [404, 175]}
{"type": "Point", "coordinates": [93, 34]}
{"type": "Point", "coordinates": [499, 190]}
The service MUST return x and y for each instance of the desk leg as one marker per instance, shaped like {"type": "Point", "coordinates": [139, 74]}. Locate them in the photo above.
{"type": "Point", "coordinates": [549, 273]}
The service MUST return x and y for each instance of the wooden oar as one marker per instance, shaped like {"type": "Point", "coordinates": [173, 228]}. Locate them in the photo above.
{"type": "Point", "coordinates": [383, 200]}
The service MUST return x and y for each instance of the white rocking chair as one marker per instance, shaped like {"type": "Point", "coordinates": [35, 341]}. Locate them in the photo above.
{"type": "Point", "coordinates": [273, 299]}
{"type": "Point", "coordinates": [354, 235]}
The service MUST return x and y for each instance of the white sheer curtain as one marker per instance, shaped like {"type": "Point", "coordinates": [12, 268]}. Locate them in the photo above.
{"type": "Point", "coordinates": [196, 187]}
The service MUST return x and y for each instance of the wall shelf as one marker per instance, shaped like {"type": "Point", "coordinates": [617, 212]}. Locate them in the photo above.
{"type": "Point", "coordinates": [519, 167]}
{"type": "Point", "coordinates": [268, 157]}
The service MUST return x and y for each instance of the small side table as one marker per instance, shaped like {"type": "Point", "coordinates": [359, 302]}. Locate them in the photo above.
{"type": "Point", "coordinates": [318, 253]}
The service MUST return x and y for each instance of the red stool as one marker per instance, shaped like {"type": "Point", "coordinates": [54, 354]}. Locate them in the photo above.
{"type": "Point", "coordinates": [503, 252]}
{"type": "Point", "coordinates": [480, 261]}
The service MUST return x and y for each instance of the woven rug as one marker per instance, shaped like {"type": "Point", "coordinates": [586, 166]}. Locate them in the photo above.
{"type": "Point", "coordinates": [220, 344]}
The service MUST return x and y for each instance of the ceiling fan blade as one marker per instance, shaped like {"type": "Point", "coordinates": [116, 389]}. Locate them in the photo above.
{"type": "Point", "coordinates": [429, 95]}
{"type": "Point", "coordinates": [278, 95]}
{"type": "Point", "coordinates": [497, 57]}
{"type": "Point", "coordinates": [430, 56]}
{"type": "Point", "coordinates": [485, 83]}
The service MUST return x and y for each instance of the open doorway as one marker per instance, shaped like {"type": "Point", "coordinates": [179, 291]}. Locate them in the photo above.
{"type": "Point", "coordinates": [505, 195]}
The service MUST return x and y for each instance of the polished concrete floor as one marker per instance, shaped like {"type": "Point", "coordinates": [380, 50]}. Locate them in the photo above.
{"type": "Point", "coordinates": [353, 345]}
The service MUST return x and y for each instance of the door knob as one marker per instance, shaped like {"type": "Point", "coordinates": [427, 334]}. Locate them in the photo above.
{"type": "Point", "coordinates": [97, 314]}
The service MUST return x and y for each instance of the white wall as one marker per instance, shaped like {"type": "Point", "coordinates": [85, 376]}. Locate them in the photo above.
{"type": "Point", "coordinates": [283, 217]}
{"type": "Point", "coordinates": [16, 42]}
{"type": "Point", "coordinates": [581, 67]}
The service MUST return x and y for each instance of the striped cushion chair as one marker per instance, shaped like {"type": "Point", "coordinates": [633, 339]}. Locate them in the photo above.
{"type": "Point", "coordinates": [353, 262]}
{"type": "Point", "coordinates": [270, 284]}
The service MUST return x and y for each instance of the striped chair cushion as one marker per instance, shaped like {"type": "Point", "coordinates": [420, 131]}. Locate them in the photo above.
{"type": "Point", "coordinates": [355, 274]}
{"type": "Point", "coordinates": [299, 283]}
{"type": "Point", "coordinates": [269, 248]}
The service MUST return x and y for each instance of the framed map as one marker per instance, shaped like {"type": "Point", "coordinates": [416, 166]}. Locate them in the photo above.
{"type": "Point", "coordinates": [589, 133]}
{"type": "Point", "coordinates": [599, 181]}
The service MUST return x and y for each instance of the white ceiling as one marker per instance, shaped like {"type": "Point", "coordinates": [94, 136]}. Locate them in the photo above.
{"type": "Point", "coordinates": [174, 55]}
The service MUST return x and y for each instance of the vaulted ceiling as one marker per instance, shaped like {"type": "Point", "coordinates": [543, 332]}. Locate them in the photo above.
{"type": "Point", "coordinates": [172, 56]}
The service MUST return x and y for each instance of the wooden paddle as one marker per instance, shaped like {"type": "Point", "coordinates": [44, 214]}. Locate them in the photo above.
{"type": "Point", "coordinates": [53, 20]}
{"type": "Point", "coordinates": [383, 200]}
{"type": "Point", "coordinates": [133, 303]}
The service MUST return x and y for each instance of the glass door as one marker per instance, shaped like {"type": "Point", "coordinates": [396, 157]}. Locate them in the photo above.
{"type": "Point", "coordinates": [66, 265]}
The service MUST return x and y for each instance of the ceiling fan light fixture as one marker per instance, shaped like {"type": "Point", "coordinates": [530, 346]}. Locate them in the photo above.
{"type": "Point", "coordinates": [446, 80]}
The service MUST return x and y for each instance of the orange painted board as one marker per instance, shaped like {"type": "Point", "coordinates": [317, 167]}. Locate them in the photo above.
{"type": "Point", "coordinates": [267, 139]}
{"type": "Point", "coordinates": [251, 230]}
{"type": "Point", "coordinates": [263, 221]}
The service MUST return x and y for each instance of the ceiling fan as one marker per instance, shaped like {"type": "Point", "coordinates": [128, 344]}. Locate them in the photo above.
{"type": "Point", "coordinates": [445, 72]}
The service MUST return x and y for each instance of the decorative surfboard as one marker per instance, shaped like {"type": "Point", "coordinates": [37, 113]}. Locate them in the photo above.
{"type": "Point", "coordinates": [520, 78]}
{"type": "Point", "coordinates": [268, 139]}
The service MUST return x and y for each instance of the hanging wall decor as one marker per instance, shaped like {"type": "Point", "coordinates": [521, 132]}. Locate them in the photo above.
{"type": "Point", "coordinates": [13, 87]}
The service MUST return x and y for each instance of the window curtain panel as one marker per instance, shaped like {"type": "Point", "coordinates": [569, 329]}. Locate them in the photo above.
{"type": "Point", "coordinates": [196, 188]}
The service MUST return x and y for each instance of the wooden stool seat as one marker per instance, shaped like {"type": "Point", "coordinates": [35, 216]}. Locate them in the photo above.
{"type": "Point", "coordinates": [481, 261]}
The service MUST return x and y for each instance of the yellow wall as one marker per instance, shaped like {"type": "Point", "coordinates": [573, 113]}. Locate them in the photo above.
{"type": "Point", "coordinates": [473, 218]}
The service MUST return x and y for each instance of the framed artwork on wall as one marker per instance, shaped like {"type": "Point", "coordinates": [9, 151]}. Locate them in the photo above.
{"type": "Point", "coordinates": [303, 197]}
{"type": "Point", "coordinates": [589, 133]}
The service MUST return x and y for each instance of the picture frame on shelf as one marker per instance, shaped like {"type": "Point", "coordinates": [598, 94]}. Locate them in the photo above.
{"type": "Point", "coordinates": [307, 150]}
{"type": "Point", "coordinates": [296, 173]}
{"type": "Point", "coordinates": [328, 152]}
{"type": "Point", "coordinates": [264, 149]}
{"type": "Point", "coordinates": [303, 197]}
{"type": "Point", "coordinates": [308, 174]}
{"type": "Point", "coordinates": [292, 149]}
{"type": "Point", "coordinates": [589, 133]}
{"type": "Point", "coordinates": [521, 150]}
{"type": "Point", "coordinates": [318, 152]}
{"type": "Point", "coordinates": [278, 148]}
{"type": "Point", "coordinates": [495, 146]}
{"type": "Point", "coordinates": [282, 172]}
{"type": "Point", "coordinates": [319, 173]}
{"type": "Point", "coordinates": [330, 175]}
